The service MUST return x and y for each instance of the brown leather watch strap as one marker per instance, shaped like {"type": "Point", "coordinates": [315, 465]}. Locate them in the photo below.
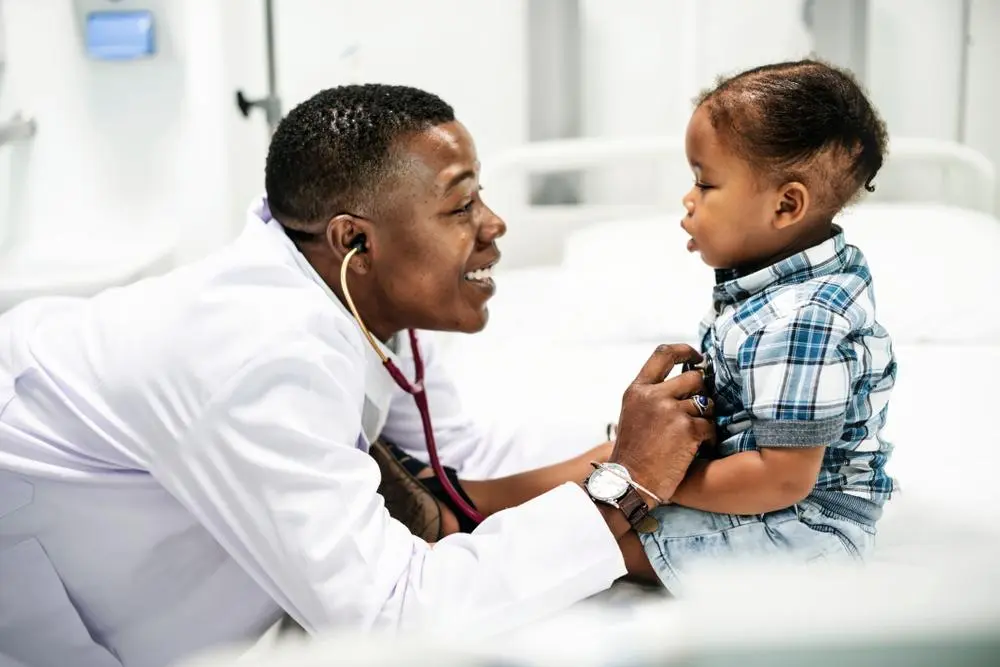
{"type": "Point", "coordinates": [637, 512]}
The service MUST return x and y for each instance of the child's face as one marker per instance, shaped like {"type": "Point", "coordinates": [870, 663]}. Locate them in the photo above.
{"type": "Point", "coordinates": [730, 214]}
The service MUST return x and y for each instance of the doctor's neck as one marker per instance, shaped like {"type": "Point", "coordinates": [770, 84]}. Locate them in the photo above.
{"type": "Point", "coordinates": [366, 298]}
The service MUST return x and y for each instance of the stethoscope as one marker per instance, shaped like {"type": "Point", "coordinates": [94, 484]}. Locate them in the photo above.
{"type": "Point", "coordinates": [416, 389]}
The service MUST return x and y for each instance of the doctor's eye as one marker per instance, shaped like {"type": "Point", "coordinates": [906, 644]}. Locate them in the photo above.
{"type": "Point", "coordinates": [464, 209]}
{"type": "Point", "coordinates": [467, 207]}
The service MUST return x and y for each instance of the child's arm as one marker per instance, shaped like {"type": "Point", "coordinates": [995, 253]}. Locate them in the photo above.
{"type": "Point", "coordinates": [752, 482]}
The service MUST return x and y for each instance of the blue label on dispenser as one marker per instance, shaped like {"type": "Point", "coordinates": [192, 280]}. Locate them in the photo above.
{"type": "Point", "coordinates": [120, 35]}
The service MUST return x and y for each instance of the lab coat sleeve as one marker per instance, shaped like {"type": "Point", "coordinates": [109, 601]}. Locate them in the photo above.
{"type": "Point", "coordinates": [476, 449]}
{"type": "Point", "coordinates": [272, 470]}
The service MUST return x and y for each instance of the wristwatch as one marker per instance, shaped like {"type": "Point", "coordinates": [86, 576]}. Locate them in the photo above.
{"type": "Point", "coordinates": [611, 484]}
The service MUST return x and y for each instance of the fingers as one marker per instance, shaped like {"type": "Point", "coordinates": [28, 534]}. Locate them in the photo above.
{"type": "Point", "coordinates": [664, 358]}
{"type": "Point", "coordinates": [704, 430]}
{"type": "Point", "coordinates": [690, 406]}
{"type": "Point", "coordinates": [684, 385]}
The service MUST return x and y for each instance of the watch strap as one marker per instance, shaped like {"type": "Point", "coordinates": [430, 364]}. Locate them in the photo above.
{"type": "Point", "coordinates": [637, 512]}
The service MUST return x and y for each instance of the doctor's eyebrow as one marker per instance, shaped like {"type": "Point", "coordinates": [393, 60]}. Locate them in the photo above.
{"type": "Point", "coordinates": [464, 176]}
{"type": "Point", "coordinates": [460, 177]}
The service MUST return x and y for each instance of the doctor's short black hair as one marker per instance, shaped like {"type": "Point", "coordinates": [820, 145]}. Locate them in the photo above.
{"type": "Point", "coordinates": [333, 154]}
{"type": "Point", "coordinates": [805, 121]}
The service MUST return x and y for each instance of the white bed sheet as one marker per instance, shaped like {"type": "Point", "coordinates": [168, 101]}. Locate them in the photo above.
{"type": "Point", "coordinates": [934, 574]}
{"type": "Point", "coordinates": [938, 539]}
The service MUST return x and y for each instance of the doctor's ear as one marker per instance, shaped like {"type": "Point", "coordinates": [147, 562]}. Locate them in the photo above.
{"type": "Point", "coordinates": [347, 232]}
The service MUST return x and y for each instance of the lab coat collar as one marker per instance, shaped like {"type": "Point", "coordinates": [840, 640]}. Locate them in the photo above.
{"type": "Point", "coordinates": [260, 212]}
{"type": "Point", "coordinates": [379, 385]}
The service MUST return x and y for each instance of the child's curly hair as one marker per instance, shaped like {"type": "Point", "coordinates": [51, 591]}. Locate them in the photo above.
{"type": "Point", "coordinates": [803, 121]}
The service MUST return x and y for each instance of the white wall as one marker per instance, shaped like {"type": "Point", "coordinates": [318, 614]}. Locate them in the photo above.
{"type": "Point", "coordinates": [159, 146]}
{"type": "Point", "coordinates": [95, 124]}
{"type": "Point", "coordinates": [245, 63]}
{"type": "Point", "coordinates": [125, 152]}
{"type": "Point", "coordinates": [914, 58]}
{"type": "Point", "coordinates": [644, 62]}
{"type": "Point", "coordinates": [914, 67]}
{"type": "Point", "coordinates": [639, 70]}
{"type": "Point", "coordinates": [983, 93]}
{"type": "Point", "coordinates": [914, 63]}
{"type": "Point", "coordinates": [471, 54]}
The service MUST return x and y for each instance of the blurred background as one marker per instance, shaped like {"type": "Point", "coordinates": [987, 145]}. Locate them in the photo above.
{"type": "Point", "coordinates": [144, 147]}
{"type": "Point", "coordinates": [133, 135]}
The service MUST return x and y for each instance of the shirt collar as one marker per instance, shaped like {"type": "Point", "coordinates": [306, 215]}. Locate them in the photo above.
{"type": "Point", "coordinates": [826, 258]}
{"type": "Point", "coordinates": [260, 212]}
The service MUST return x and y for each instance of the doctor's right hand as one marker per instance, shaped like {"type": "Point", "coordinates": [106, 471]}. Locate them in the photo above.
{"type": "Point", "coordinates": [661, 427]}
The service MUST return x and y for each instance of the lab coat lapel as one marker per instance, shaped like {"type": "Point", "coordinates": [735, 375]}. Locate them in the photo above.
{"type": "Point", "coordinates": [379, 385]}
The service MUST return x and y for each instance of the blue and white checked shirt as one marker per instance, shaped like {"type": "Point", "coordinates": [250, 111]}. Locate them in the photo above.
{"type": "Point", "coordinates": [800, 361]}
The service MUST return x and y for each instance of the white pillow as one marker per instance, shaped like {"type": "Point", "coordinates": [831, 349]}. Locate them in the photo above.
{"type": "Point", "coordinates": [936, 271]}
{"type": "Point", "coordinates": [634, 280]}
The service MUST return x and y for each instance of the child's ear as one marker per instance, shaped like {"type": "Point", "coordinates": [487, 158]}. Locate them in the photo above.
{"type": "Point", "coordinates": [793, 202]}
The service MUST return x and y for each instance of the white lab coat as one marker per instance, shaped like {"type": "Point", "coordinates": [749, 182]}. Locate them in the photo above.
{"type": "Point", "coordinates": [182, 458]}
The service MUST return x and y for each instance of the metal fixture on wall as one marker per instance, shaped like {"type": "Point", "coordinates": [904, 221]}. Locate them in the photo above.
{"type": "Point", "coordinates": [271, 104]}
{"type": "Point", "coordinates": [17, 127]}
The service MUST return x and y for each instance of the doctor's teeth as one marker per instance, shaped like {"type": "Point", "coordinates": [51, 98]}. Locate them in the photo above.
{"type": "Point", "coordinates": [480, 274]}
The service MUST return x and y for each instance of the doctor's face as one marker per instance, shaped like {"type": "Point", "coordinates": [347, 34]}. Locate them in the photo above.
{"type": "Point", "coordinates": [437, 238]}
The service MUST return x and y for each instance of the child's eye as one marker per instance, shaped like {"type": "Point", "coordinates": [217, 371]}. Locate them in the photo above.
{"type": "Point", "coordinates": [703, 186]}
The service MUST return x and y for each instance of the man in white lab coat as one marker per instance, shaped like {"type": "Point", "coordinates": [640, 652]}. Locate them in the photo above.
{"type": "Point", "coordinates": [184, 459]}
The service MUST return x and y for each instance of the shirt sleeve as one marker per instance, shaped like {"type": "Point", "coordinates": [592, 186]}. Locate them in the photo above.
{"type": "Point", "coordinates": [796, 378]}
{"type": "Point", "coordinates": [272, 469]}
{"type": "Point", "coordinates": [476, 450]}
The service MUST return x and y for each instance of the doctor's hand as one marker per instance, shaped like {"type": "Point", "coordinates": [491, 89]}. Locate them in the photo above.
{"type": "Point", "coordinates": [661, 427]}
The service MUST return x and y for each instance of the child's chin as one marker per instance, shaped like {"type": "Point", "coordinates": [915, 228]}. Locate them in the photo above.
{"type": "Point", "coordinates": [709, 261]}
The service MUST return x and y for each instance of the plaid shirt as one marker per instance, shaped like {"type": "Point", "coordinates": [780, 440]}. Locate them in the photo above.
{"type": "Point", "coordinates": [800, 361]}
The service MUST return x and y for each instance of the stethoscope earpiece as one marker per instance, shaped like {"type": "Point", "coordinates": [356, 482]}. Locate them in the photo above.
{"type": "Point", "coordinates": [358, 243]}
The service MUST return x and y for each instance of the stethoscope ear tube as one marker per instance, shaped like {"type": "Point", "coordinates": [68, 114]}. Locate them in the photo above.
{"type": "Point", "coordinates": [417, 391]}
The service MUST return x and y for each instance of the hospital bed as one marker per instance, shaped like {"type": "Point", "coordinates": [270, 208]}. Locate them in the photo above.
{"type": "Point", "coordinates": [569, 329]}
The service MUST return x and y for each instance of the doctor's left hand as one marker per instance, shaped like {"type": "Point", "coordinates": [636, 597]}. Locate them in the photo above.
{"type": "Point", "coordinates": [660, 428]}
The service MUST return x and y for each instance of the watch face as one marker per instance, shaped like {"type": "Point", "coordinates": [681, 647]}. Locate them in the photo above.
{"type": "Point", "coordinates": [604, 485]}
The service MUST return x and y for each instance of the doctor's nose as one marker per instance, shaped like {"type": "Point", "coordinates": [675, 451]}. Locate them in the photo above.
{"type": "Point", "coordinates": [492, 227]}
